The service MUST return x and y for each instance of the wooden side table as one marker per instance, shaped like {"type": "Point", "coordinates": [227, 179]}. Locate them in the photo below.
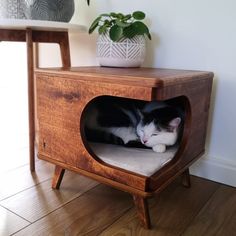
{"type": "Point", "coordinates": [31, 31]}
{"type": "Point", "coordinates": [63, 98]}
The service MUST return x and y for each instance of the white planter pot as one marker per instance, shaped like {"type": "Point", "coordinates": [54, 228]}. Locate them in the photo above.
{"type": "Point", "coordinates": [124, 53]}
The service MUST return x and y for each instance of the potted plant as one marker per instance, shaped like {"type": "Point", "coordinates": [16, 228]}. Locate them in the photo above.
{"type": "Point", "coordinates": [121, 41]}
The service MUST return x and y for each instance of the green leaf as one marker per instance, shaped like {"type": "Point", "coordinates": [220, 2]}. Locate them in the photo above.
{"type": "Point", "coordinates": [137, 28]}
{"type": "Point", "coordinates": [127, 17]}
{"type": "Point", "coordinates": [102, 29]}
{"type": "Point", "coordinates": [105, 14]}
{"type": "Point", "coordinates": [115, 33]}
{"type": "Point", "coordinates": [149, 35]}
{"type": "Point", "coordinates": [113, 14]}
{"type": "Point", "coordinates": [122, 24]}
{"type": "Point", "coordinates": [120, 16]}
{"type": "Point", "coordinates": [129, 32]}
{"type": "Point", "coordinates": [140, 28]}
{"type": "Point", "coordinates": [112, 22]}
{"type": "Point", "coordinates": [138, 15]}
{"type": "Point", "coordinates": [107, 23]}
{"type": "Point", "coordinates": [91, 29]}
{"type": "Point", "coordinates": [94, 24]}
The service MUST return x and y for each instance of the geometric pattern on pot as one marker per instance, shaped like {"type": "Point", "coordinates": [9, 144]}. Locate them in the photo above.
{"type": "Point", "coordinates": [12, 9]}
{"type": "Point", "coordinates": [51, 10]}
{"type": "Point", "coordinates": [125, 49]}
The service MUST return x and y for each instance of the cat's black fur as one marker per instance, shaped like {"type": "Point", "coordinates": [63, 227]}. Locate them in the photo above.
{"type": "Point", "coordinates": [162, 116]}
{"type": "Point", "coordinates": [112, 112]}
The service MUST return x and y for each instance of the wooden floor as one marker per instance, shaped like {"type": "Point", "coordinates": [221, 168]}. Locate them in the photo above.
{"type": "Point", "coordinates": [28, 206]}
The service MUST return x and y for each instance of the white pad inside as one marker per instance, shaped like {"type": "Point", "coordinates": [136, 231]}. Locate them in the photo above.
{"type": "Point", "coordinates": [142, 161]}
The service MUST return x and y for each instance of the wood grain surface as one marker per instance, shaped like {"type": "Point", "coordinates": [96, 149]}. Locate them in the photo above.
{"type": "Point", "coordinates": [171, 212]}
{"type": "Point", "coordinates": [218, 217]}
{"type": "Point", "coordinates": [40, 200]}
{"type": "Point", "coordinates": [10, 222]}
{"type": "Point", "coordinates": [145, 77]}
{"type": "Point", "coordinates": [63, 96]}
{"type": "Point", "coordinates": [207, 208]}
{"type": "Point", "coordinates": [90, 213]}
{"type": "Point", "coordinates": [19, 179]}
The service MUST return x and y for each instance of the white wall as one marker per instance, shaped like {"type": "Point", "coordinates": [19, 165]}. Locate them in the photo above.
{"type": "Point", "coordinates": [187, 34]}
{"type": "Point", "coordinates": [13, 105]}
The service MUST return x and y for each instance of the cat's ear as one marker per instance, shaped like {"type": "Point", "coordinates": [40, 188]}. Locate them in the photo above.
{"type": "Point", "coordinates": [174, 124]}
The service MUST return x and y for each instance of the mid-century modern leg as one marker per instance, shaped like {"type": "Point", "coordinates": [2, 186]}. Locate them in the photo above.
{"type": "Point", "coordinates": [30, 63]}
{"type": "Point", "coordinates": [57, 178]}
{"type": "Point", "coordinates": [65, 50]}
{"type": "Point", "coordinates": [142, 210]}
{"type": "Point", "coordinates": [186, 179]}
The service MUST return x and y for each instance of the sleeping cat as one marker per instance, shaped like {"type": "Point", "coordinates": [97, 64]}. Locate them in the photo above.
{"type": "Point", "coordinates": [159, 127]}
{"type": "Point", "coordinates": [151, 125]}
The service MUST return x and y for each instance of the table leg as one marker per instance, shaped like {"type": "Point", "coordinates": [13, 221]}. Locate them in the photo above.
{"type": "Point", "coordinates": [142, 211]}
{"type": "Point", "coordinates": [186, 179]}
{"type": "Point", "coordinates": [30, 63]}
{"type": "Point", "coordinates": [57, 177]}
{"type": "Point", "coordinates": [65, 50]}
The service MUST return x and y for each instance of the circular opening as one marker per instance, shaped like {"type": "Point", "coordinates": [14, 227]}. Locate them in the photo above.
{"type": "Point", "coordinates": [134, 135]}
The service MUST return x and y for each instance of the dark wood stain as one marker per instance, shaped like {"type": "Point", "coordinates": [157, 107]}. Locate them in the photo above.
{"type": "Point", "coordinates": [60, 122]}
{"type": "Point", "coordinates": [67, 96]}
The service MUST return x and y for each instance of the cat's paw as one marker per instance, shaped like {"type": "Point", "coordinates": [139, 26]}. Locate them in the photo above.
{"type": "Point", "coordinates": [159, 148]}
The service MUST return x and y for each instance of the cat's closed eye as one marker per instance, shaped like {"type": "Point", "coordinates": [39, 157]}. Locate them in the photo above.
{"type": "Point", "coordinates": [155, 134]}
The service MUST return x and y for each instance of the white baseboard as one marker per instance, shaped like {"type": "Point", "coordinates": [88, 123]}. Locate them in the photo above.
{"type": "Point", "coordinates": [222, 171]}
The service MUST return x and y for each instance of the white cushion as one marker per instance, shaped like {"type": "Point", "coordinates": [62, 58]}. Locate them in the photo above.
{"type": "Point", "coordinates": [142, 161]}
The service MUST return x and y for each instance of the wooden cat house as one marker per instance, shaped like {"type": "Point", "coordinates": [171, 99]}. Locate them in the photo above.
{"type": "Point", "coordinates": [63, 96]}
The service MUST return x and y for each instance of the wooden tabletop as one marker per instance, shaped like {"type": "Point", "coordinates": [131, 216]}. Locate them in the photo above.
{"type": "Point", "coordinates": [145, 77]}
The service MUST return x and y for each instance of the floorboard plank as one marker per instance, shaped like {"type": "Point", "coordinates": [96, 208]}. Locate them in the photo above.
{"type": "Point", "coordinates": [171, 212]}
{"type": "Point", "coordinates": [218, 217]}
{"type": "Point", "coordinates": [38, 201]}
{"type": "Point", "coordinates": [229, 226]}
{"type": "Point", "coordinates": [88, 214]}
{"type": "Point", "coordinates": [19, 179]}
{"type": "Point", "coordinates": [13, 157]}
{"type": "Point", "coordinates": [10, 223]}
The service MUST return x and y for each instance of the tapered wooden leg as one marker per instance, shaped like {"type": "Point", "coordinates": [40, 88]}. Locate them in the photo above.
{"type": "Point", "coordinates": [30, 62]}
{"type": "Point", "coordinates": [65, 50]}
{"type": "Point", "coordinates": [142, 210]}
{"type": "Point", "coordinates": [186, 179]}
{"type": "Point", "coordinates": [58, 176]}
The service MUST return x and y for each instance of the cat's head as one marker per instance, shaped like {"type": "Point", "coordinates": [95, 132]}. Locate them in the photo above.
{"type": "Point", "coordinates": [152, 131]}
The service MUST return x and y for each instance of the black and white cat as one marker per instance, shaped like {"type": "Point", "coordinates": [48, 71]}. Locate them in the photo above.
{"type": "Point", "coordinates": [154, 125]}
{"type": "Point", "coordinates": [160, 126]}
